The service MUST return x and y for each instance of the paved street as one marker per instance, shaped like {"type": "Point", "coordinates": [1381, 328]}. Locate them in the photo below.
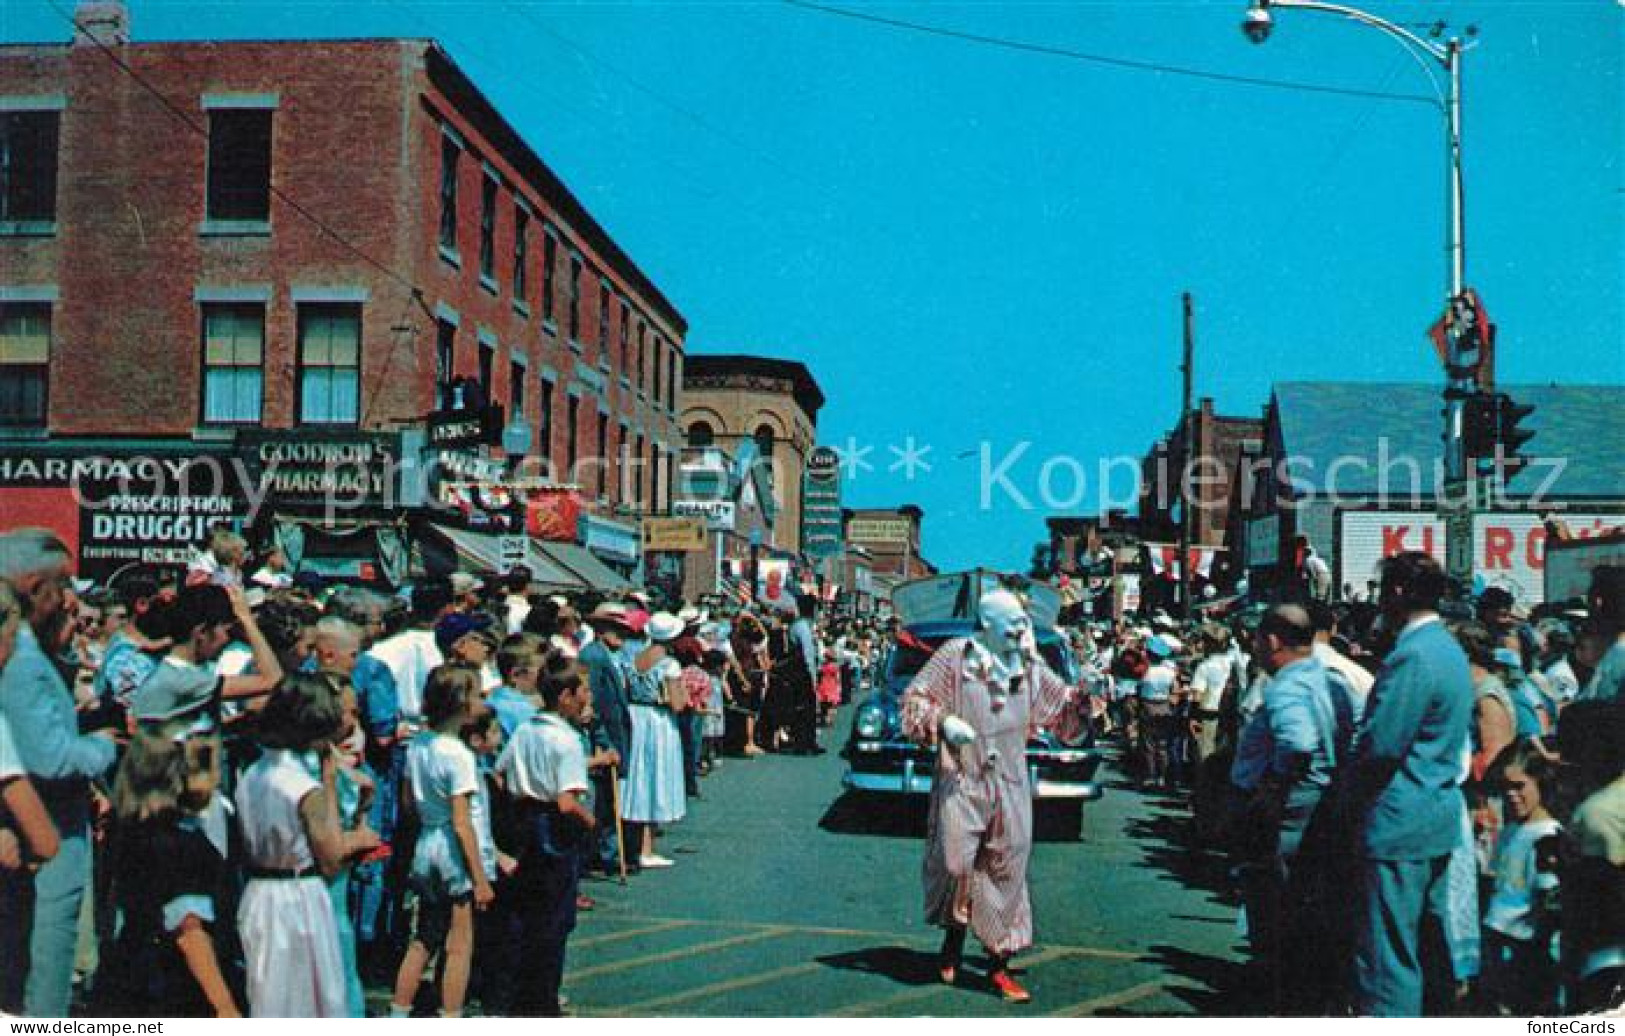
{"type": "Point", "coordinates": [786, 902]}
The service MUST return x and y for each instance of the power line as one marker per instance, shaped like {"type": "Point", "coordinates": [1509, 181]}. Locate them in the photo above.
{"type": "Point", "coordinates": [1051, 50]}
{"type": "Point", "coordinates": [651, 92]}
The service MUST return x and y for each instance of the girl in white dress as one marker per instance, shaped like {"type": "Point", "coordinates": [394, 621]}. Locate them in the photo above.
{"type": "Point", "coordinates": [293, 843]}
{"type": "Point", "coordinates": [455, 860]}
{"type": "Point", "coordinates": [653, 790]}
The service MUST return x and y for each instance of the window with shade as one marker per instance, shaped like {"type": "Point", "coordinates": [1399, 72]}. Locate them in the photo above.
{"type": "Point", "coordinates": [25, 356]}
{"type": "Point", "coordinates": [450, 156]}
{"type": "Point", "coordinates": [329, 363]}
{"type": "Point", "coordinates": [28, 146]}
{"type": "Point", "coordinates": [233, 363]}
{"type": "Point", "coordinates": [239, 185]}
{"type": "Point", "coordinates": [488, 232]}
{"type": "Point", "coordinates": [445, 362]}
{"type": "Point", "coordinates": [521, 258]}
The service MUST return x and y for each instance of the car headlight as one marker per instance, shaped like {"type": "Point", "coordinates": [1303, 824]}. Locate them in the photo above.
{"type": "Point", "coordinates": [871, 720]}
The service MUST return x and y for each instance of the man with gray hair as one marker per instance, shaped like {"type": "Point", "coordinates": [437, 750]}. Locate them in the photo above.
{"type": "Point", "coordinates": [60, 761]}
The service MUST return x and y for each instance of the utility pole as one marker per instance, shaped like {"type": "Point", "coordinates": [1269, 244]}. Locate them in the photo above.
{"type": "Point", "coordinates": [1189, 450]}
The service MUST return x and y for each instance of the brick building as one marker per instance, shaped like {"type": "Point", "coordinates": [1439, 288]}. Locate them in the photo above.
{"type": "Point", "coordinates": [1212, 453]}
{"type": "Point", "coordinates": [202, 240]}
{"type": "Point", "coordinates": [891, 536]}
{"type": "Point", "coordinates": [730, 401]}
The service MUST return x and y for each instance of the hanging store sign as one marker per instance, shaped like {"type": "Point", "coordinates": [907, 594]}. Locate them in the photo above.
{"type": "Point", "coordinates": [678, 535]}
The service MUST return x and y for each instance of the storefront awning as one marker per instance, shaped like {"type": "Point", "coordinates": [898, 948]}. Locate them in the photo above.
{"type": "Point", "coordinates": [482, 552]}
{"type": "Point", "coordinates": [580, 562]}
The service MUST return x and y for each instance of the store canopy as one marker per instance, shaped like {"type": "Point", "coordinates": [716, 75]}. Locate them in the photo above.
{"type": "Point", "coordinates": [588, 569]}
{"type": "Point", "coordinates": [482, 552]}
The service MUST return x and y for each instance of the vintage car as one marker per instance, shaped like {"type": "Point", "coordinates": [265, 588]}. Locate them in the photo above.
{"type": "Point", "coordinates": [881, 760]}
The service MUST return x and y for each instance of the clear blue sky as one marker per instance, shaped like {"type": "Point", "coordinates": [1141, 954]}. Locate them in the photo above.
{"type": "Point", "coordinates": [970, 244]}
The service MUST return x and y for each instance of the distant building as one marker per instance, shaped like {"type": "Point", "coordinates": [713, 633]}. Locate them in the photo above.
{"type": "Point", "coordinates": [892, 537]}
{"type": "Point", "coordinates": [1209, 451]}
{"type": "Point", "coordinates": [773, 404]}
{"type": "Point", "coordinates": [1353, 470]}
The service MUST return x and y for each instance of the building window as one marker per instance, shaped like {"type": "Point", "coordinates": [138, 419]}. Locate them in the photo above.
{"type": "Point", "coordinates": [575, 298]}
{"type": "Point", "coordinates": [240, 164]}
{"type": "Point", "coordinates": [764, 438]}
{"type": "Point", "coordinates": [488, 360]}
{"type": "Point", "coordinates": [655, 394]}
{"type": "Point", "coordinates": [233, 363]}
{"type": "Point", "coordinates": [450, 156]}
{"type": "Point", "coordinates": [626, 337]}
{"type": "Point", "coordinates": [700, 435]}
{"type": "Point", "coordinates": [604, 296]}
{"type": "Point", "coordinates": [671, 379]}
{"type": "Point", "coordinates": [654, 476]}
{"type": "Point", "coordinates": [521, 231]}
{"type": "Point", "coordinates": [28, 166]}
{"type": "Point", "coordinates": [643, 345]}
{"type": "Point", "coordinates": [636, 460]}
{"type": "Point", "coordinates": [571, 438]}
{"type": "Point", "coordinates": [545, 437]}
{"type": "Point", "coordinates": [445, 362]}
{"type": "Point", "coordinates": [550, 265]}
{"type": "Point", "coordinates": [516, 391]}
{"type": "Point", "coordinates": [329, 363]}
{"type": "Point", "coordinates": [488, 230]}
{"type": "Point", "coordinates": [603, 454]}
{"type": "Point", "coordinates": [25, 355]}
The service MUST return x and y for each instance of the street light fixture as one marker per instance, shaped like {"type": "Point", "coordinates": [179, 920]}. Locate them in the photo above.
{"type": "Point", "coordinates": [1460, 376]}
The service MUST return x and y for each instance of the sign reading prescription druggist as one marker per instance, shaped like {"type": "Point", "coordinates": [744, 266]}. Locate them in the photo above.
{"type": "Point", "coordinates": [1509, 549]}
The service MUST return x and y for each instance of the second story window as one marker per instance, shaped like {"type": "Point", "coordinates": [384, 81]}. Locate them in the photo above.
{"type": "Point", "coordinates": [28, 167]}
{"type": "Point", "coordinates": [521, 258]}
{"type": "Point", "coordinates": [233, 363]}
{"type": "Point", "coordinates": [488, 230]}
{"type": "Point", "coordinates": [25, 356]}
{"type": "Point", "coordinates": [450, 156]}
{"type": "Point", "coordinates": [239, 185]}
{"type": "Point", "coordinates": [516, 391]}
{"type": "Point", "coordinates": [544, 435]}
{"type": "Point", "coordinates": [643, 346]}
{"type": "Point", "coordinates": [329, 363]}
{"type": "Point", "coordinates": [550, 269]}
{"type": "Point", "coordinates": [575, 298]}
{"type": "Point", "coordinates": [445, 362]}
{"type": "Point", "coordinates": [671, 379]}
{"type": "Point", "coordinates": [603, 454]}
{"type": "Point", "coordinates": [488, 362]}
{"type": "Point", "coordinates": [572, 432]}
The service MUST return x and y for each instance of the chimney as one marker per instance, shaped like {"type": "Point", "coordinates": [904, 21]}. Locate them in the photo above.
{"type": "Point", "coordinates": [105, 21]}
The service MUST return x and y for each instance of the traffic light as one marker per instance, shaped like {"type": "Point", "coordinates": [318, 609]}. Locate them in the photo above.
{"type": "Point", "coordinates": [1510, 438]}
{"type": "Point", "coordinates": [1480, 421]}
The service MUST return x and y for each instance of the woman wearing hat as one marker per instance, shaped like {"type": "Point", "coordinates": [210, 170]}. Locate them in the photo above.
{"type": "Point", "coordinates": [653, 791]}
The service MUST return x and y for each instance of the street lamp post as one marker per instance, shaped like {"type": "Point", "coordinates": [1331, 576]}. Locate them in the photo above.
{"type": "Point", "coordinates": [1459, 370]}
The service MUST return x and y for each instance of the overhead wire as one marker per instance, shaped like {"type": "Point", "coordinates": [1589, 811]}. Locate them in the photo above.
{"type": "Point", "coordinates": [1132, 64]}
{"type": "Point", "coordinates": [415, 293]}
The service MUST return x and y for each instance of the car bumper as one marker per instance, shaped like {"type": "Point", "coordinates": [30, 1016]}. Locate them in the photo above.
{"type": "Point", "coordinates": [1065, 775]}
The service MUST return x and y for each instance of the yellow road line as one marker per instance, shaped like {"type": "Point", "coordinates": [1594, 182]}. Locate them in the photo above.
{"type": "Point", "coordinates": [671, 955]}
{"type": "Point", "coordinates": [715, 988]}
{"type": "Point", "coordinates": [929, 990]}
{"type": "Point", "coordinates": [1118, 999]}
{"type": "Point", "coordinates": [630, 933]}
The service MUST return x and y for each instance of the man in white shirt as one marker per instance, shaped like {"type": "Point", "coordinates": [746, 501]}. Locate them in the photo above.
{"type": "Point", "coordinates": [517, 604]}
{"type": "Point", "coordinates": [410, 652]}
{"type": "Point", "coordinates": [1359, 678]}
{"type": "Point", "coordinates": [1208, 684]}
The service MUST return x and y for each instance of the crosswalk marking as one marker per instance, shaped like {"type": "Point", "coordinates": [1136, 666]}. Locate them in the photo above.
{"type": "Point", "coordinates": [1110, 1000]}
{"type": "Point", "coordinates": [630, 933]}
{"type": "Point", "coordinates": [715, 988]}
{"type": "Point", "coordinates": [612, 967]}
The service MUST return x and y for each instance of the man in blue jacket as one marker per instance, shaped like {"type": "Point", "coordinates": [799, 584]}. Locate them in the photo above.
{"type": "Point", "coordinates": [61, 762]}
{"type": "Point", "coordinates": [1405, 786]}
